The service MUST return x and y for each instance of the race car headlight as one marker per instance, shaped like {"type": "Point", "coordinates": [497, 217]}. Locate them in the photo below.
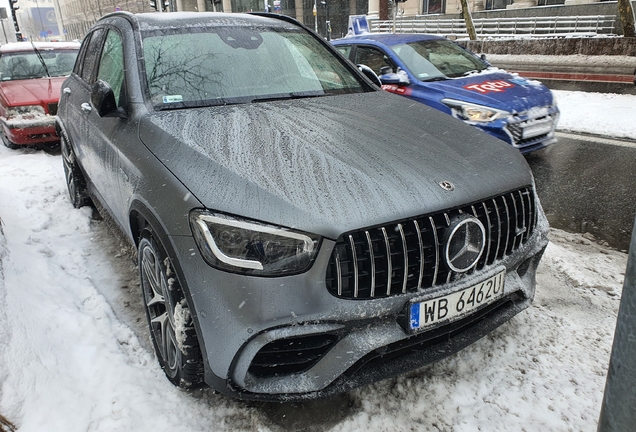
{"type": "Point", "coordinates": [242, 246]}
{"type": "Point", "coordinates": [26, 111]}
{"type": "Point", "coordinates": [474, 113]}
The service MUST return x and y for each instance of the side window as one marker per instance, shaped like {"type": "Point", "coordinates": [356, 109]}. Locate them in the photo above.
{"type": "Point", "coordinates": [111, 64]}
{"type": "Point", "coordinates": [345, 50]}
{"type": "Point", "coordinates": [372, 57]}
{"type": "Point", "coordinates": [88, 63]}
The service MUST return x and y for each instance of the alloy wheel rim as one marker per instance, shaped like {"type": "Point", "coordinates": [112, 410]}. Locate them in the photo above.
{"type": "Point", "coordinates": [156, 298]}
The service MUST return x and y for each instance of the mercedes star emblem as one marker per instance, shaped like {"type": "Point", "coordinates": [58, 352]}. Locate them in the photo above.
{"type": "Point", "coordinates": [465, 244]}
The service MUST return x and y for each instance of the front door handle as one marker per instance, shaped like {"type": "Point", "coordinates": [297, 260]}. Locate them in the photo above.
{"type": "Point", "coordinates": [86, 107]}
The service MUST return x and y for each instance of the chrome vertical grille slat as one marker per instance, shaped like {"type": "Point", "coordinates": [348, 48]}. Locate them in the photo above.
{"type": "Point", "coordinates": [489, 227]}
{"type": "Point", "coordinates": [354, 260]}
{"type": "Point", "coordinates": [421, 250]}
{"type": "Point", "coordinates": [338, 275]}
{"type": "Point", "coordinates": [436, 247]}
{"type": "Point", "coordinates": [361, 260]}
{"type": "Point", "coordinates": [389, 265]}
{"type": "Point", "coordinates": [499, 229]}
{"type": "Point", "coordinates": [505, 248]}
{"type": "Point", "coordinates": [372, 262]}
{"type": "Point", "coordinates": [405, 252]}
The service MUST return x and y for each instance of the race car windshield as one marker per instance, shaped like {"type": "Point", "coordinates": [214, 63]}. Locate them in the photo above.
{"type": "Point", "coordinates": [236, 65]}
{"type": "Point", "coordinates": [431, 60]}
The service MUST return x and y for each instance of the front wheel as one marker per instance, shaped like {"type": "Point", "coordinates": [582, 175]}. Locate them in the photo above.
{"type": "Point", "coordinates": [7, 143]}
{"type": "Point", "coordinates": [75, 182]}
{"type": "Point", "coordinates": [169, 318]}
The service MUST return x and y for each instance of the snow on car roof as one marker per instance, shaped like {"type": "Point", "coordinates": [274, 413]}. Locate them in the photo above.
{"type": "Point", "coordinates": [154, 20]}
{"type": "Point", "coordinates": [391, 38]}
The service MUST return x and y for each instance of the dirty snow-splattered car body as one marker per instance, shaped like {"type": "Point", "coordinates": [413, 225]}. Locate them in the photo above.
{"type": "Point", "coordinates": [439, 73]}
{"type": "Point", "coordinates": [299, 231]}
{"type": "Point", "coordinates": [31, 75]}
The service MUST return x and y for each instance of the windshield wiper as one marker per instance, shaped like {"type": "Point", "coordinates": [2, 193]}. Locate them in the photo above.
{"type": "Point", "coordinates": [288, 96]}
{"type": "Point", "coordinates": [48, 75]}
{"type": "Point", "coordinates": [437, 78]}
{"type": "Point", "coordinates": [471, 72]}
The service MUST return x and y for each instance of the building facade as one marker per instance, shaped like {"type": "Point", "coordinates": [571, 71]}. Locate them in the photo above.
{"type": "Point", "coordinates": [70, 19]}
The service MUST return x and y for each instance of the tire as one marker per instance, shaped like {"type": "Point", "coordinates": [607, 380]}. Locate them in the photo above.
{"type": "Point", "coordinates": [75, 181]}
{"type": "Point", "coordinates": [177, 350]}
{"type": "Point", "coordinates": [7, 143]}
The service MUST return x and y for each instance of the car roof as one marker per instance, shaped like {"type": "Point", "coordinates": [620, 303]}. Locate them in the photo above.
{"type": "Point", "coordinates": [156, 21]}
{"type": "Point", "coordinates": [388, 39]}
{"type": "Point", "coordinates": [28, 46]}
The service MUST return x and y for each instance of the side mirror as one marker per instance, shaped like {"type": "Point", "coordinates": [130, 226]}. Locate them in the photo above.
{"type": "Point", "coordinates": [483, 58]}
{"type": "Point", "coordinates": [386, 70]}
{"type": "Point", "coordinates": [400, 78]}
{"type": "Point", "coordinates": [368, 72]}
{"type": "Point", "coordinates": [103, 99]}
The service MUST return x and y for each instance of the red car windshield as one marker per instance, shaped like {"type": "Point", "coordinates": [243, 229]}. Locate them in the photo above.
{"type": "Point", "coordinates": [27, 65]}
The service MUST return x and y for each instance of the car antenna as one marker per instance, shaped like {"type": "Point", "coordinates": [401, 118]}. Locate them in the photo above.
{"type": "Point", "coordinates": [41, 60]}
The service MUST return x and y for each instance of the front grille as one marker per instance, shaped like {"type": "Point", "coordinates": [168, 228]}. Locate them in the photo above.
{"type": "Point", "coordinates": [291, 355]}
{"type": "Point", "coordinates": [403, 256]}
{"type": "Point", "coordinates": [516, 130]}
{"type": "Point", "coordinates": [52, 109]}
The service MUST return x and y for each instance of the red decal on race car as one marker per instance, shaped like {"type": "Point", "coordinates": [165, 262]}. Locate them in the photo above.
{"type": "Point", "coordinates": [401, 90]}
{"type": "Point", "coordinates": [490, 86]}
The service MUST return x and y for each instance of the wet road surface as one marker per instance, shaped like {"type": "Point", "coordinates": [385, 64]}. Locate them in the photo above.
{"type": "Point", "coordinates": [588, 185]}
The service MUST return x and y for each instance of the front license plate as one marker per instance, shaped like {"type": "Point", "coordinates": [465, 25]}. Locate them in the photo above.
{"type": "Point", "coordinates": [536, 129]}
{"type": "Point", "coordinates": [444, 309]}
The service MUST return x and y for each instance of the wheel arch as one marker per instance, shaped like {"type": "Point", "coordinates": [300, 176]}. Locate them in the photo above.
{"type": "Point", "coordinates": [142, 218]}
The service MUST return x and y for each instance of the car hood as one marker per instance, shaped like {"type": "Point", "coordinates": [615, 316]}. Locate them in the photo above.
{"type": "Point", "coordinates": [31, 91]}
{"type": "Point", "coordinates": [332, 164]}
{"type": "Point", "coordinates": [497, 89]}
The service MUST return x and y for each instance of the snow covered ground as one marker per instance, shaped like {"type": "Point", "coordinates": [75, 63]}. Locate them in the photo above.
{"type": "Point", "coordinates": [75, 353]}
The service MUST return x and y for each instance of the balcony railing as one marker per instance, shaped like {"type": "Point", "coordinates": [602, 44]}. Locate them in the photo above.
{"type": "Point", "coordinates": [531, 27]}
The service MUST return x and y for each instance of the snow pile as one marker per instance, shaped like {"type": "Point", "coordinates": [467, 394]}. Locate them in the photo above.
{"type": "Point", "coordinates": [597, 113]}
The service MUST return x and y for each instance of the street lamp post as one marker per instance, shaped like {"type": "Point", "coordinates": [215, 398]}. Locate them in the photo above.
{"type": "Point", "coordinates": [315, 16]}
{"type": "Point", "coordinates": [327, 22]}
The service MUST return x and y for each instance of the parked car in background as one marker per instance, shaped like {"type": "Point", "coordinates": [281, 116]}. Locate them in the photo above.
{"type": "Point", "coordinates": [31, 75]}
{"type": "Point", "coordinates": [439, 73]}
{"type": "Point", "coordinates": [299, 231]}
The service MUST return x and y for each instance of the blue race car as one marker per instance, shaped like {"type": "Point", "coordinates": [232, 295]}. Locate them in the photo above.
{"type": "Point", "coordinates": [438, 72]}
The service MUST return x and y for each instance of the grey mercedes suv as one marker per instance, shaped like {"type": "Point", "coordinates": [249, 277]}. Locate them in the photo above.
{"type": "Point", "coordinates": [299, 231]}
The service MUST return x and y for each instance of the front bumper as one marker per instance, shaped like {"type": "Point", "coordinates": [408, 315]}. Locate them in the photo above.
{"type": "Point", "coordinates": [527, 131]}
{"type": "Point", "coordinates": [39, 130]}
{"type": "Point", "coordinates": [284, 339]}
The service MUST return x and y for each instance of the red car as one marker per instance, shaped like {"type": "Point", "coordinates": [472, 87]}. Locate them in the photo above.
{"type": "Point", "coordinates": [31, 75]}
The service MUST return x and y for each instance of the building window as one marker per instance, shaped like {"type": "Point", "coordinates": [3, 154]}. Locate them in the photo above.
{"type": "Point", "coordinates": [501, 4]}
{"type": "Point", "coordinates": [552, 2]}
{"type": "Point", "coordinates": [434, 6]}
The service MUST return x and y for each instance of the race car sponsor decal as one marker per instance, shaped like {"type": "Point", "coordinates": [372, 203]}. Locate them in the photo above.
{"type": "Point", "coordinates": [401, 90]}
{"type": "Point", "coordinates": [490, 86]}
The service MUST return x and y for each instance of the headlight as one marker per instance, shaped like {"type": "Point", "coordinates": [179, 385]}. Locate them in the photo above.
{"type": "Point", "coordinates": [26, 111]}
{"type": "Point", "coordinates": [474, 113]}
{"type": "Point", "coordinates": [243, 246]}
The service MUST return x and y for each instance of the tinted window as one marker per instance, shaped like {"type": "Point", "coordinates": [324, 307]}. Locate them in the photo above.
{"type": "Point", "coordinates": [111, 64]}
{"type": "Point", "coordinates": [345, 50]}
{"type": "Point", "coordinates": [240, 64]}
{"type": "Point", "coordinates": [372, 57]}
{"type": "Point", "coordinates": [93, 49]}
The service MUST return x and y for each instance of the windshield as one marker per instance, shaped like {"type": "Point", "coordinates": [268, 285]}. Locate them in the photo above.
{"type": "Point", "coordinates": [223, 65]}
{"type": "Point", "coordinates": [27, 65]}
{"type": "Point", "coordinates": [435, 59]}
